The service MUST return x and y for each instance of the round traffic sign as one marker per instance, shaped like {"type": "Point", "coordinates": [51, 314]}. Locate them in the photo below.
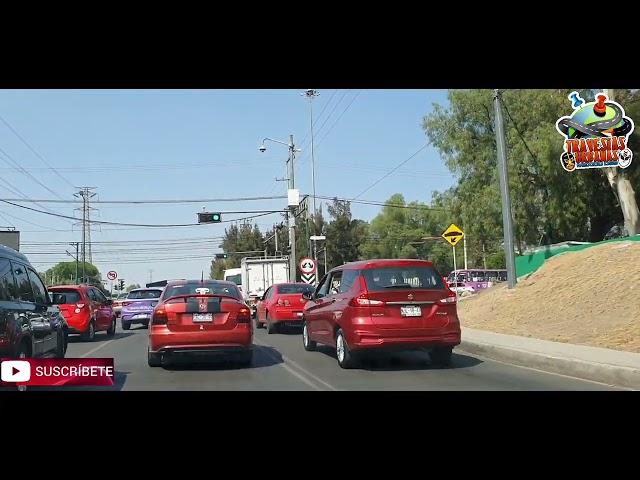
{"type": "Point", "coordinates": [112, 275]}
{"type": "Point", "coordinates": [308, 265]}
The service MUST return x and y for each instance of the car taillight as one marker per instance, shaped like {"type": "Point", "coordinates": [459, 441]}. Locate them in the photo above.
{"type": "Point", "coordinates": [283, 302]}
{"type": "Point", "coordinates": [449, 299]}
{"type": "Point", "coordinates": [79, 307]}
{"type": "Point", "coordinates": [124, 304]}
{"type": "Point", "coordinates": [244, 315]}
{"type": "Point", "coordinates": [363, 300]}
{"type": "Point", "coordinates": [159, 317]}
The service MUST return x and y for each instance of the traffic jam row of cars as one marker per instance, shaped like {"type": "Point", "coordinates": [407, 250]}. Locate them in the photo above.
{"type": "Point", "coordinates": [359, 309]}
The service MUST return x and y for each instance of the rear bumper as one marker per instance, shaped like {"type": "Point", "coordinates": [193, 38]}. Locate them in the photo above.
{"type": "Point", "coordinates": [77, 324]}
{"type": "Point", "coordinates": [163, 339]}
{"type": "Point", "coordinates": [128, 317]}
{"type": "Point", "coordinates": [203, 350]}
{"type": "Point", "coordinates": [393, 340]}
{"type": "Point", "coordinates": [285, 316]}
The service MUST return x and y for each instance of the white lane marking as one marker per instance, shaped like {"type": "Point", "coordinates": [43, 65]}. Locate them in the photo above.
{"type": "Point", "coordinates": [486, 359]}
{"type": "Point", "coordinates": [291, 370]}
{"type": "Point", "coordinates": [96, 349]}
{"type": "Point", "coordinates": [302, 369]}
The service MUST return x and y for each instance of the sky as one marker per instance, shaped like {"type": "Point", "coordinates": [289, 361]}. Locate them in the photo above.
{"type": "Point", "coordinates": [197, 144]}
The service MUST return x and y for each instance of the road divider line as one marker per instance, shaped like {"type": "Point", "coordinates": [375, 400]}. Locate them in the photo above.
{"type": "Point", "coordinates": [97, 348]}
{"type": "Point", "coordinates": [290, 370]}
{"type": "Point", "coordinates": [300, 368]}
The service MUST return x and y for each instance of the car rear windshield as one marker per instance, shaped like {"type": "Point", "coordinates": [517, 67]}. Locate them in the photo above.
{"type": "Point", "coordinates": [237, 279]}
{"type": "Point", "coordinates": [72, 296]}
{"type": "Point", "coordinates": [203, 289]}
{"type": "Point", "coordinates": [143, 294]}
{"type": "Point", "coordinates": [293, 289]}
{"type": "Point", "coordinates": [381, 279]}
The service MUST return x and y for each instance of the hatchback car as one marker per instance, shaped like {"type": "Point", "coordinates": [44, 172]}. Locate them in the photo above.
{"type": "Point", "coordinates": [86, 309]}
{"type": "Point", "coordinates": [30, 325]}
{"type": "Point", "coordinates": [282, 304]}
{"type": "Point", "coordinates": [138, 307]}
{"type": "Point", "coordinates": [199, 319]}
{"type": "Point", "coordinates": [382, 305]}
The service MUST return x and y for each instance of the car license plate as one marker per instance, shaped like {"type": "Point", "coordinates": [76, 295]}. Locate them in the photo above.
{"type": "Point", "coordinates": [411, 311]}
{"type": "Point", "coordinates": [140, 316]}
{"type": "Point", "coordinates": [203, 317]}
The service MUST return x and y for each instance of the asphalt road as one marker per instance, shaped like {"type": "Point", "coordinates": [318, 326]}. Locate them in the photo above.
{"type": "Point", "coordinates": [280, 363]}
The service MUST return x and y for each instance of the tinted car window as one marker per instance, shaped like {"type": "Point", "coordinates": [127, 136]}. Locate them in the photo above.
{"type": "Point", "coordinates": [38, 288]}
{"type": "Point", "coordinates": [72, 296]}
{"type": "Point", "coordinates": [348, 277]}
{"type": "Point", "coordinates": [92, 295]}
{"type": "Point", "coordinates": [8, 290]}
{"type": "Point", "coordinates": [336, 280]}
{"type": "Point", "coordinates": [99, 295]}
{"type": "Point", "coordinates": [380, 279]}
{"type": "Point", "coordinates": [22, 280]}
{"type": "Point", "coordinates": [323, 287]}
{"type": "Point", "coordinates": [146, 294]}
{"type": "Point", "coordinates": [201, 288]}
{"type": "Point", "coordinates": [294, 289]}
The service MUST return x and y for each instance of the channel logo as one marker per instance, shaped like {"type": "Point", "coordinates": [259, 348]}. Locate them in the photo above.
{"type": "Point", "coordinates": [15, 371]}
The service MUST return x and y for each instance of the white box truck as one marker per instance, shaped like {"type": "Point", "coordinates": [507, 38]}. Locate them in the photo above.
{"type": "Point", "coordinates": [259, 273]}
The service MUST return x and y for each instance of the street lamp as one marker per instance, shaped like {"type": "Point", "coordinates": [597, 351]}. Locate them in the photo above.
{"type": "Point", "coordinates": [290, 214]}
{"type": "Point", "coordinates": [315, 238]}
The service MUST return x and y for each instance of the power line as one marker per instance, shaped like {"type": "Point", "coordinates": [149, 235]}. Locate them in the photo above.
{"type": "Point", "coordinates": [390, 172]}
{"type": "Point", "coordinates": [101, 222]}
{"type": "Point", "coordinates": [25, 172]}
{"type": "Point", "coordinates": [34, 151]}
{"type": "Point", "coordinates": [159, 201]}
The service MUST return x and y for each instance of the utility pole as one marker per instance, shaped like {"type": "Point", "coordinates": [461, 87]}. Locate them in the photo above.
{"type": "Point", "coordinates": [77, 245]}
{"type": "Point", "coordinates": [291, 213]}
{"type": "Point", "coordinates": [311, 94]}
{"type": "Point", "coordinates": [86, 194]}
{"type": "Point", "coordinates": [504, 191]}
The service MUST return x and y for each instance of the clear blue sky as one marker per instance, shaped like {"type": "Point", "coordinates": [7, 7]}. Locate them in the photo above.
{"type": "Point", "coordinates": [157, 144]}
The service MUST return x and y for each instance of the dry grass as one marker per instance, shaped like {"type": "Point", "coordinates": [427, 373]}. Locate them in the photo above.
{"type": "Point", "coordinates": [589, 297]}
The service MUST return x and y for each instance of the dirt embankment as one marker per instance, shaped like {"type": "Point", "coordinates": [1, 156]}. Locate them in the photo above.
{"type": "Point", "coordinates": [590, 297]}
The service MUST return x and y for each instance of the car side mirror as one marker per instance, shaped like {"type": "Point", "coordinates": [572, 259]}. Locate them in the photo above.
{"type": "Point", "coordinates": [307, 295]}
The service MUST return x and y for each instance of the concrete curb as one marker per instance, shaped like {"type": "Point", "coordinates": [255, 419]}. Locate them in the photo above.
{"type": "Point", "coordinates": [598, 372]}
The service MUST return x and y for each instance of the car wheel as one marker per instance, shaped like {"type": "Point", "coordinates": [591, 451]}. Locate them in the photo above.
{"type": "Point", "coordinates": [346, 358]}
{"type": "Point", "coordinates": [154, 359]}
{"type": "Point", "coordinates": [246, 358]}
{"type": "Point", "coordinates": [61, 345]}
{"type": "Point", "coordinates": [126, 325]}
{"type": "Point", "coordinates": [441, 356]}
{"type": "Point", "coordinates": [259, 324]}
{"type": "Point", "coordinates": [145, 324]}
{"type": "Point", "coordinates": [308, 344]}
{"type": "Point", "coordinates": [90, 334]}
{"type": "Point", "coordinates": [112, 328]}
{"type": "Point", "coordinates": [271, 327]}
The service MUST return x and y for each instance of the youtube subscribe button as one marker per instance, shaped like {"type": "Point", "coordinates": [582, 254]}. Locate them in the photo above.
{"type": "Point", "coordinates": [56, 371]}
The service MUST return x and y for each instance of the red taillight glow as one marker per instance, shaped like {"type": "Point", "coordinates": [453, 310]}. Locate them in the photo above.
{"type": "Point", "coordinates": [244, 315]}
{"type": "Point", "coordinates": [363, 300]}
{"type": "Point", "coordinates": [159, 317]}
{"type": "Point", "coordinates": [449, 299]}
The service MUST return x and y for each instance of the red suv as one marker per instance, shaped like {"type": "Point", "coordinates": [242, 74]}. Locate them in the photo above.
{"type": "Point", "coordinates": [86, 310]}
{"type": "Point", "coordinates": [282, 304]}
{"type": "Point", "coordinates": [382, 305]}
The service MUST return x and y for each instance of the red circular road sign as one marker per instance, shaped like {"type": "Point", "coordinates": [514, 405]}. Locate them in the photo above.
{"type": "Point", "coordinates": [308, 265]}
{"type": "Point", "coordinates": [112, 275]}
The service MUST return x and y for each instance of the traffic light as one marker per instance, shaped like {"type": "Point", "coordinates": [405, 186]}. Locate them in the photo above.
{"type": "Point", "coordinates": [207, 217]}
{"type": "Point", "coordinates": [121, 283]}
{"type": "Point", "coordinates": [221, 256]}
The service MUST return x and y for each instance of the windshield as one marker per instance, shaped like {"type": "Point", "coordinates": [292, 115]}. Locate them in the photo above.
{"type": "Point", "coordinates": [143, 294]}
{"type": "Point", "coordinates": [237, 279]}
{"type": "Point", "coordinates": [380, 279]}
{"type": "Point", "coordinates": [294, 289]}
{"type": "Point", "coordinates": [206, 288]}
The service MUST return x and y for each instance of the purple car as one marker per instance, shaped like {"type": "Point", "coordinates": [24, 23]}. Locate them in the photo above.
{"type": "Point", "coordinates": [138, 306]}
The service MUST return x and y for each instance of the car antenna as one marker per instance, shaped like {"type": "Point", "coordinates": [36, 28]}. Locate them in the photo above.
{"type": "Point", "coordinates": [202, 278]}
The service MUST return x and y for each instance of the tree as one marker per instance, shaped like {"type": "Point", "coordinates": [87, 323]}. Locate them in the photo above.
{"type": "Point", "coordinates": [549, 205]}
{"type": "Point", "coordinates": [344, 234]}
{"type": "Point", "coordinates": [133, 287]}
{"type": "Point", "coordinates": [65, 272]}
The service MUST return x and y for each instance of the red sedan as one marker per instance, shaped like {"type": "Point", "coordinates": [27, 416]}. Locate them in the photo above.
{"type": "Point", "coordinates": [282, 304]}
{"type": "Point", "coordinates": [198, 319]}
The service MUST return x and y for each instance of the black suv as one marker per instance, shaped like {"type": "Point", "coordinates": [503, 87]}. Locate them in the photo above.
{"type": "Point", "coordinates": [30, 325]}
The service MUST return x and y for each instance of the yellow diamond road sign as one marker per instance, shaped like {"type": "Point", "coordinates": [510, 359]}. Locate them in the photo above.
{"type": "Point", "coordinates": [453, 234]}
